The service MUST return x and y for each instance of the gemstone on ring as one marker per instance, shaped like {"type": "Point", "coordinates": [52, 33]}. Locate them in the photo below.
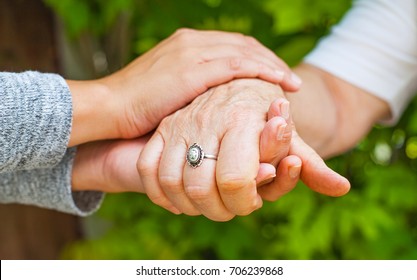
{"type": "Point", "coordinates": [195, 155]}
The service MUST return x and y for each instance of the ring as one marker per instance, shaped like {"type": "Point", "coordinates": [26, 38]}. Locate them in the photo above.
{"type": "Point", "coordinates": [195, 156]}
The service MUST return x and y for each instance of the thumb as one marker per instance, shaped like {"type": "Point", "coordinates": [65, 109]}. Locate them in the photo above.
{"type": "Point", "coordinates": [315, 173]}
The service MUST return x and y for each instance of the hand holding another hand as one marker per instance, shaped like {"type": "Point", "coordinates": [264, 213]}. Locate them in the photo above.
{"type": "Point", "coordinates": [260, 156]}
{"type": "Point", "coordinates": [245, 123]}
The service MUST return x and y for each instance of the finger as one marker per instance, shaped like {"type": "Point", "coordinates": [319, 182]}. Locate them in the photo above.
{"type": "Point", "coordinates": [280, 107]}
{"type": "Point", "coordinates": [185, 37]}
{"type": "Point", "coordinates": [315, 174]}
{"type": "Point", "coordinates": [266, 174]}
{"type": "Point", "coordinates": [147, 165]}
{"type": "Point", "coordinates": [274, 146]}
{"type": "Point", "coordinates": [237, 167]}
{"type": "Point", "coordinates": [171, 176]}
{"type": "Point", "coordinates": [201, 188]}
{"type": "Point", "coordinates": [294, 81]}
{"type": "Point", "coordinates": [213, 37]}
{"type": "Point", "coordinates": [195, 37]}
{"type": "Point", "coordinates": [190, 37]}
{"type": "Point", "coordinates": [222, 70]}
{"type": "Point", "coordinates": [288, 173]}
{"type": "Point", "coordinates": [275, 141]}
{"type": "Point", "coordinates": [208, 53]}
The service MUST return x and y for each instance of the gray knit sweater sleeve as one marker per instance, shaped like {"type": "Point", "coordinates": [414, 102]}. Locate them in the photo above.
{"type": "Point", "coordinates": [35, 120]}
{"type": "Point", "coordinates": [49, 188]}
{"type": "Point", "coordinates": [35, 125]}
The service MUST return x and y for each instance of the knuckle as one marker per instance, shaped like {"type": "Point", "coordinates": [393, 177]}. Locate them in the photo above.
{"type": "Point", "coordinates": [235, 63]}
{"type": "Point", "coordinates": [171, 184]}
{"type": "Point", "coordinates": [202, 118]}
{"type": "Point", "coordinates": [197, 193]}
{"type": "Point", "coordinates": [262, 68]}
{"type": "Point", "coordinates": [241, 36]}
{"type": "Point", "coordinates": [246, 51]}
{"type": "Point", "coordinates": [185, 36]}
{"type": "Point", "coordinates": [232, 183]}
{"type": "Point", "coordinates": [249, 208]}
{"type": "Point", "coordinates": [251, 40]}
{"type": "Point", "coordinates": [286, 139]}
{"type": "Point", "coordinates": [145, 168]}
{"type": "Point", "coordinates": [159, 199]}
{"type": "Point", "coordinates": [182, 31]}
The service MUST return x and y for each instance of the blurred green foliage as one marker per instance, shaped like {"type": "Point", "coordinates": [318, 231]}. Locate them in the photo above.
{"type": "Point", "coordinates": [376, 220]}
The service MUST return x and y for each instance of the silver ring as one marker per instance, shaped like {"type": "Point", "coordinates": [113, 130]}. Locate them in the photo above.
{"type": "Point", "coordinates": [195, 156]}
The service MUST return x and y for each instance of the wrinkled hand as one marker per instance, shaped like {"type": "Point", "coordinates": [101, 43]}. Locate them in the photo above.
{"type": "Point", "coordinates": [228, 121]}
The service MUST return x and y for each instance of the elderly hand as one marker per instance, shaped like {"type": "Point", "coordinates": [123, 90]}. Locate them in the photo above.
{"type": "Point", "coordinates": [227, 121]}
{"type": "Point", "coordinates": [132, 101]}
{"type": "Point", "coordinates": [110, 166]}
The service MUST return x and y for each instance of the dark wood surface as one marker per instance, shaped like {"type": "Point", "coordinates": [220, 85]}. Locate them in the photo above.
{"type": "Point", "coordinates": [27, 43]}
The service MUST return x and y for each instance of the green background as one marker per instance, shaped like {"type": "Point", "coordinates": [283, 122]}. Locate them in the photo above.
{"type": "Point", "coordinates": [376, 220]}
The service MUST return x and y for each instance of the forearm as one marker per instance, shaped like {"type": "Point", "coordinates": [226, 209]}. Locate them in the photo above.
{"type": "Point", "coordinates": [330, 114]}
{"type": "Point", "coordinates": [314, 110]}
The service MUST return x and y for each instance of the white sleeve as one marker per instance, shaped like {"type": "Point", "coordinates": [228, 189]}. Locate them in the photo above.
{"type": "Point", "coordinates": [375, 48]}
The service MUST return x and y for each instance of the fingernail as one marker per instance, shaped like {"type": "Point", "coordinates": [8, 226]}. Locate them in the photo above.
{"type": "Point", "coordinates": [294, 171]}
{"type": "Point", "coordinates": [285, 110]}
{"type": "Point", "coordinates": [280, 75]}
{"type": "Point", "coordinates": [281, 132]}
{"type": "Point", "coordinates": [267, 180]}
{"type": "Point", "coordinates": [296, 80]}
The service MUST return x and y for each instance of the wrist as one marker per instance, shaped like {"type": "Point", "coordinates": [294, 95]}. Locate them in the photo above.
{"type": "Point", "coordinates": [93, 118]}
{"type": "Point", "coordinates": [88, 169]}
{"type": "Point", "coordinates": [130, 106]}
{"type": "Point", "coordinates": [108, 166]}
